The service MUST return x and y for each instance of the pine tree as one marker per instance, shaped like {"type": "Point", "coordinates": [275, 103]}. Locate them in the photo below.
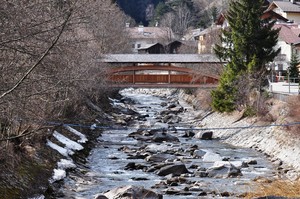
{"type": "Point", "coordinates": [214, 13]}
{"type": "Point", "coordinates": [293, 68]}
{"type": "Point", "coordinates": [248, 45]}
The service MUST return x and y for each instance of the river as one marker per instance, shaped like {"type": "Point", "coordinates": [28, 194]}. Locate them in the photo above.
{"type": "Point", "coordinates": [107, 165]}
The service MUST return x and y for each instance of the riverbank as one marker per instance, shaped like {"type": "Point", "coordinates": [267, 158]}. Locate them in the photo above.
{"type": "Point", "coordinates": [278, 145]}
{"type": "Point", "coordinates": [160, 151]}
{"type": "Point", "coordinates": [31, 168]}
{"type": "Point", "coordinates": [281, 146]}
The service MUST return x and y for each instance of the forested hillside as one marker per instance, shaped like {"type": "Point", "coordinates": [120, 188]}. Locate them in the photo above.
{"type": "Point", "coordinates": [177, 14]}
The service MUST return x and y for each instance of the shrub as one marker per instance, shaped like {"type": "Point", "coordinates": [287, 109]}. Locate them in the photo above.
{"type": "Point", "coordinates": [249, 112]}
{"type": "Point", "coordinates": [276, 188]}
{"type": "Point", "coordinates": [204, 97]}
{"type": "Point", "coordinates": [294, 113]}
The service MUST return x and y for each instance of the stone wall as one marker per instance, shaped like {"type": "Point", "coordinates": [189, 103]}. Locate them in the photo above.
{"type": "Point", "coordinates": [280, 146]}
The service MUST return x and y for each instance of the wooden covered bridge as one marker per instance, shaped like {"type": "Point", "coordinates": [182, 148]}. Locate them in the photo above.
{"type": "Point", "coordinates": [162, 70]}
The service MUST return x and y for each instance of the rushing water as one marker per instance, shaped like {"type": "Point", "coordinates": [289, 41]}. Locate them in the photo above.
{"type": "Point", "coordinates": [106, 163]}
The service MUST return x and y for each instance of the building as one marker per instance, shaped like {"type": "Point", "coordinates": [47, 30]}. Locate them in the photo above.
{"type": "Point", "coordinates": [142, 38]}
{"type": "Point", "coordinates": [288, 42]}
{"type": "Point", "coordinates": [287, 9]}
{"type": "Point", "coordinates": [158, 40]}
{"type": "Point", "coordinates": [208, 38]}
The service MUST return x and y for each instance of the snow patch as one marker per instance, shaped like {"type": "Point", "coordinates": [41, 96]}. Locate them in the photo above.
{"type": "Point", "coordinates": [58, 174]}
{"type": "Point", "coordinates": [70, 147]}
{"type": "Point", "coordinates": [59, 149]}
{"type": "Point", "coordinates": [38, 197]}
{"type": "Point", "coordinates": [70, 144]}
{"type": "Point", "coordinates": [83, 138]}
{"type": "Point", "coordinates": [93, 126]}
{"type": "Point", "coordinates": [66, 164]}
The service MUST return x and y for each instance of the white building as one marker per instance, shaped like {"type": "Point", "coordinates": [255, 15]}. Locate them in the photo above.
{"type": "Point", "coordinates": [289, 9]}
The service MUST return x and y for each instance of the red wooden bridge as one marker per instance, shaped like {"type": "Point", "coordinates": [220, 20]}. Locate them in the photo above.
{"type": "Point", "coordinates": [161, 70]}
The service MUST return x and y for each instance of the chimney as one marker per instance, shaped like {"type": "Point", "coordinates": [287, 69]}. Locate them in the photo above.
{"type": "Point", "coordinates": [141, 29]}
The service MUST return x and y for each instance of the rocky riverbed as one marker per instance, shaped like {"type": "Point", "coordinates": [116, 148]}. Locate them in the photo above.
{"type": "Point", "coordinates": [269, 138]}
{"type": "Point", "coordinates": [163, 148]}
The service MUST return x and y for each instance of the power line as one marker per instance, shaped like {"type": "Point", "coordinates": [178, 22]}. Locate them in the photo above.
{"type": "Point", "coordinates": [94, 126]}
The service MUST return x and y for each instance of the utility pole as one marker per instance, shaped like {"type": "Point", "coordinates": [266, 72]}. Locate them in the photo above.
{"type": "Point", "coordinates": [288, 73]}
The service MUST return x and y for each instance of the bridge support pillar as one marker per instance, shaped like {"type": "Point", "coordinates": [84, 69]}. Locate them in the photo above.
{"type": "Point", "coordinates": [133, 77]}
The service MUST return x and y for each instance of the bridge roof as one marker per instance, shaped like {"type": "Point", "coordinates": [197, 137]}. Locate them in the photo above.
{"type": "Point", "coordinates": [160, 58]}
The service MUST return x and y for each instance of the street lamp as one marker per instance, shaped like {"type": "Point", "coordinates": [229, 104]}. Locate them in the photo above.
{"type": "Point", "coordinates": [288, 74]}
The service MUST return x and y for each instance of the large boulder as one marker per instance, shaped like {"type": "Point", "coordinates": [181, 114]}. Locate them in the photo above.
{"type": "Point", "coordinates": [204, 135]}
{"type": "Point", "coordinates": [131, 192]}
{"type": "Point", "coordinates": [175, 170]}
{"type": "Point", "coordinates": [223, 171]}
{"type": "Point", "coordinates": [164, 137]}
{"type": "Point", "coordinates": [101, 197]}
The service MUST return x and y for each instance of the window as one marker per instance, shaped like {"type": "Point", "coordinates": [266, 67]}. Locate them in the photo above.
{"type": "Point", "coordinates": [138, 45]}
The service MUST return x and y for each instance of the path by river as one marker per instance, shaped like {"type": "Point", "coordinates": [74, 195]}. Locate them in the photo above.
{"type": "Point", "coordinates": [120, 159]}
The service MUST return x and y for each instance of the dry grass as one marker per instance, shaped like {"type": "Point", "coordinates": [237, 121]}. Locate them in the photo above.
{"type": "Point", "coordinates": [294, 113]}
{"type": "Point", "coordinates": [294, 108]}
{"type": "Point", "coordinates": [204, 97]}
{"type": "Point", "coordinates": [276, 188]}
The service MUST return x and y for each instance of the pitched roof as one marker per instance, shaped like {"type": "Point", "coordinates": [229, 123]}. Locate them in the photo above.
{"type": "Point", "coordinates": [147, 46]}
{"type": "Point", "coordinates": [289, 33]}
{"type": "Point", "coordinates": [273, 15]}
{"type": "Point", "coordinates": [159, 58]}
{"type": "Point", "coordinates": [210, 30]}
{"type": "Point", "coordinates": [142, 32]}
{"type": "Point", "coordinates": [285, 6]}
{"type": "Point", "coordinates": [191, 34]}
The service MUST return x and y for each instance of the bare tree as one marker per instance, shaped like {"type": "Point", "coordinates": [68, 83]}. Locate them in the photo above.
{"type": "Point", "coordinates": [184, 19]}
{"type": "Point", "coordinates": [168, 20]}
{"type": "Point", "coordinates": [48, 52]}
{"type": "Point", "coordinates": [179, 20]}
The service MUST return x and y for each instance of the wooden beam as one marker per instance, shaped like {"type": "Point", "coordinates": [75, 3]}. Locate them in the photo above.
{"type": "Point", "coordinates": [141, 85]}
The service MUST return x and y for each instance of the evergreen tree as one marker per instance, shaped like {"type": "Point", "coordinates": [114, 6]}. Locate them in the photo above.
{"type": "Point", "coordinates": [160, 10]}
{"type": "Point", "coordinates": [214, 13]}
{"type": "Point", "coordinates": [293, 68]}
{"type": "Point", "coordinates": [248, 45]}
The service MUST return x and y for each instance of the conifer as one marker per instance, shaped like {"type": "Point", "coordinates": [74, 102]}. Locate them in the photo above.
{"type": "Point", "coordinates": [248, 44]}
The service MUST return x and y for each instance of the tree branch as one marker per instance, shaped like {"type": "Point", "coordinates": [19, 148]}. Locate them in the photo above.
{"type": "Point", "coordinates": [23, 134]}
{"type": "Point", "coordinates": [40, 59]}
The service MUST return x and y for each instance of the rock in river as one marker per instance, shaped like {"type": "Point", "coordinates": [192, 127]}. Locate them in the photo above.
{"type": "Point", "coordinates": [204, 135]}
{"type": "Point", "coordinates": [223, 171]}
{"type": "Point", "coordinates": [164, 137]}
{"type": "Point", "coordinates": [130, 192]}
{"type": "Point", "coordinates": [175, 170]}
